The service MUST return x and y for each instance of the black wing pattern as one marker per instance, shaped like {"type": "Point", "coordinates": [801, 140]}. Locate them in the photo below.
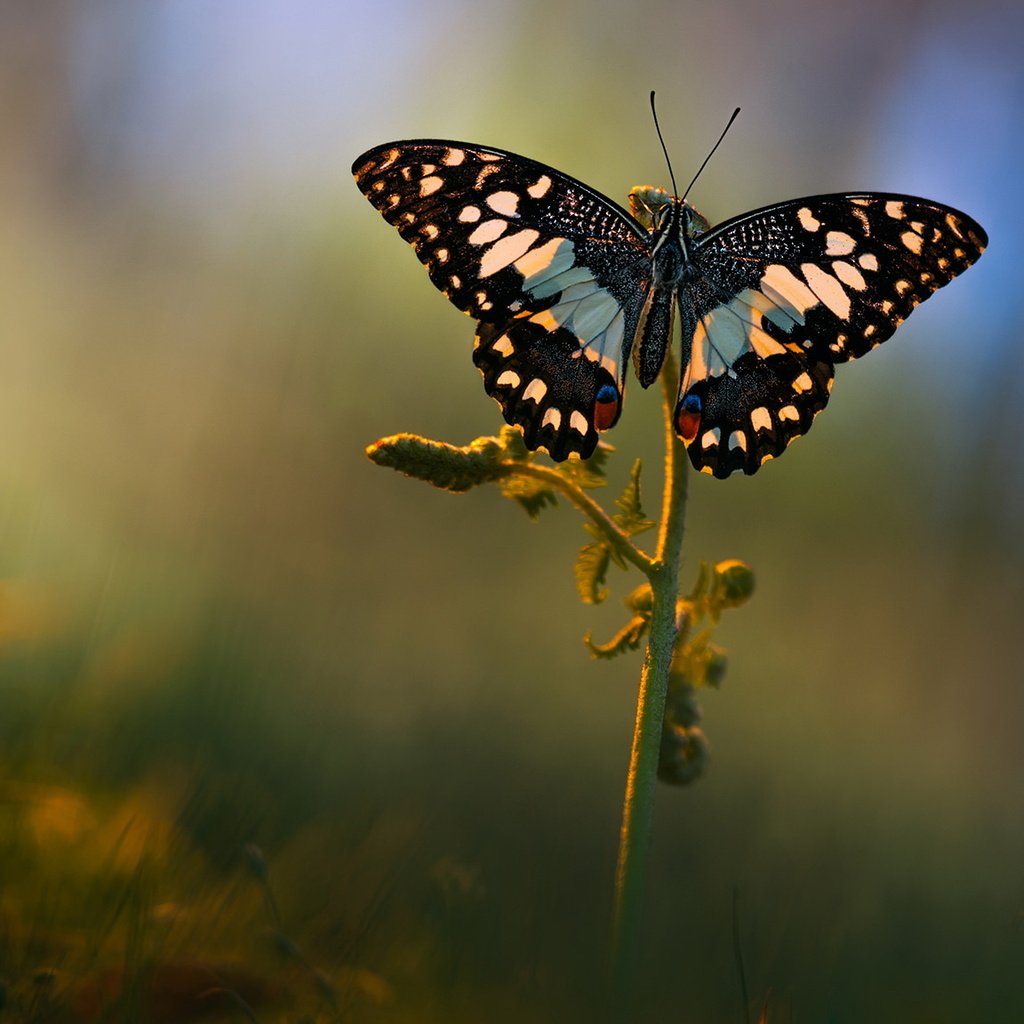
{"type": "Point", "coordinates": [555, 273]}
{"type": "Point", "coordinates": [784, 293]}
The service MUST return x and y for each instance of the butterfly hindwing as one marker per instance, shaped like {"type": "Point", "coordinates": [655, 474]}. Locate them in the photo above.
{"type": "Point", "coordinates": [555, 273]}
{"type": "Point", "coordinates": [786, 292]}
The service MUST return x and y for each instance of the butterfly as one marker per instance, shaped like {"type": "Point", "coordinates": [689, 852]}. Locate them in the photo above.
{"type": "Point", "coordinates": [567, 286]}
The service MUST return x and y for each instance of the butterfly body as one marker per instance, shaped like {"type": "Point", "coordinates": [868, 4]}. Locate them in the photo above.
{"type": "Point", "coordinates": [566, 286]}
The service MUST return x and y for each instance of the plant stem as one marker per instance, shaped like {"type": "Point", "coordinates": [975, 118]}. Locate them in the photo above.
{"type": "Point", "coordinates": [641, 778]}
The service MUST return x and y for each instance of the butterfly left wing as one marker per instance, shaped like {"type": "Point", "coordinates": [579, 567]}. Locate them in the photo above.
{"type": "Point", "coordinates": [783, 294]}
{"type": "Point", "coordinates": [555, 273]}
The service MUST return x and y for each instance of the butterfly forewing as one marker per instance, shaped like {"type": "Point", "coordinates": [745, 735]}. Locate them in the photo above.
{"type": "Point", "coordinates": [555, 273]}
{"type": "Point", "coordinates": [784, 293]}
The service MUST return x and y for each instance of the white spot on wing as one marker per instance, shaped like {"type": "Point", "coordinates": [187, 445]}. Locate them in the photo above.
{"type": "Point", "coordinates": [711, 437]}
{"type": "Point", "coordinates": [789, 412]}
{"type": "Point", "coordinates": [849, 275]}
{"type": "Point", "coordinates": [839, 243]}
{"type": "Point", "coordinates": [505, 203]}
{"type": "Point", "coordinates": [552, 418]}
{"type": "Point", "coordinates": [869, 261]}
{"type": "Point", "coordinates": [578, 422]}
{"type": "Point", "coordinates": [507, 250]}
{"type": "Point", "coordinates": [454, 157]}
{"type": "Point", "coordinates": [737, 439]}
{"type": "Point", "coordinates": [807, 219]}
{"type": "Point", "coordinates": [430, 185]}
{"type": "Point", "coordinates": [540, 187]}
{"type": "Point", "coordinates": [469, 214]}
{"type": "Point", "coordinates": [803, 383]}
{"type": "Point", "coordinates": [894, 209]}
{"type": "Point", "coordinates": [488, 231]}
{"type": "Point", "coordinates": [504, 346]}
{"type": "Point", "coordinates": [761, 419]}
{"type": "Point", "coordinates": [509, 379]}
{"type": "Point", "coordinates": [912, 240]}
{"type": "Point", "coordinates": [535, 390]}
{"type": "Point", "coordinates": [537, 266]}
{"type": "Point", "coordinates": [785, 289]}
{"type": "Point", "coordinates": [828, 289]}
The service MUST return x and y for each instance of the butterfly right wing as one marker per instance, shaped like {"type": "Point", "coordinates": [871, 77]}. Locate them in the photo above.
{"type": "Point", "coordinates": [555, 273]}
{"type": "Point", "coordinates": [786, 292]}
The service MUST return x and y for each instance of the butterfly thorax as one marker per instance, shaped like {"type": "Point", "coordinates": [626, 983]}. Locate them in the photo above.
{"type": "Point", "coordinates": [673, 225]}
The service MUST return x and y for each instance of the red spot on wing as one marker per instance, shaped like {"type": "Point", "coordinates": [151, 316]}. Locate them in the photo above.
{"type": "Point", "coordinates": [687, 424]}
{"type": "Point", "coordinates": [606, 410]}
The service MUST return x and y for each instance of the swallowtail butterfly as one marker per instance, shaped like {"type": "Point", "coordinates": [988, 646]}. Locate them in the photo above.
{"type": "Point", "coordinates": [566, 285]}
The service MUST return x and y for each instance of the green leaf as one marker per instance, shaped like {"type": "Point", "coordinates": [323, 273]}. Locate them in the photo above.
{"type": "Point", "coordinates": [630, 517]}
{"type": "Point", "coordinates": [591, 570]}
{"type": "Point", "coordinates": [510, 441]}
{"type": "Point", "coordinates": [533, 495]}
{"type": "Point", "coordinates": [587, 473]}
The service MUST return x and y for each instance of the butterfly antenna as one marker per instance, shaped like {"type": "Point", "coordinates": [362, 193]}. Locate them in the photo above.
{"type": "Point", "coordinates": [711, 154]}
{"type": "Point", "coordinates": [664, 148]}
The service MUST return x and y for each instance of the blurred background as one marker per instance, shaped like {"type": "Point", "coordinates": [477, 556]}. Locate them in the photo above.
{"type": "Point", "coordinates": [323, 743]}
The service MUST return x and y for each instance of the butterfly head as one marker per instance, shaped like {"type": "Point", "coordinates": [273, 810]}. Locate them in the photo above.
{"type": "Point", "coordinates": [655, 209]}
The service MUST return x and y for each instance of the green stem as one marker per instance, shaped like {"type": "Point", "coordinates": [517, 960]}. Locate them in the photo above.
{"type": "Point", "coordinates": [638, 806]}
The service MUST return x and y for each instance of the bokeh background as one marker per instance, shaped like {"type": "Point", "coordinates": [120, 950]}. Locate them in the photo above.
{"type": "Point", "coordinates": [220, 625]}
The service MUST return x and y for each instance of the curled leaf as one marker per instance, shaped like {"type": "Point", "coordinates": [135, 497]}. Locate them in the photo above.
{"type": "Point", "coordinates": [641, 599]}
{"type": "Point", "coordinates": [627, 639]}
{"type": "Point", "coordinates": [733, 583]}
{"type": "Point", "coordinates": [684, 754]}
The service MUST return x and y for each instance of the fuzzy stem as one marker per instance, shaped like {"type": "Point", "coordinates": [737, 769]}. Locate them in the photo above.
{"type": "Point", "coordinates": [638, 806]}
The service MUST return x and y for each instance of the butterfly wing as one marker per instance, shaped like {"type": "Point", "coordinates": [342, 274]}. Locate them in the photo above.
{"type": "Point", "coordinates": [786, 292]}
{"type": "Point", "coordinates": [555, 273]}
